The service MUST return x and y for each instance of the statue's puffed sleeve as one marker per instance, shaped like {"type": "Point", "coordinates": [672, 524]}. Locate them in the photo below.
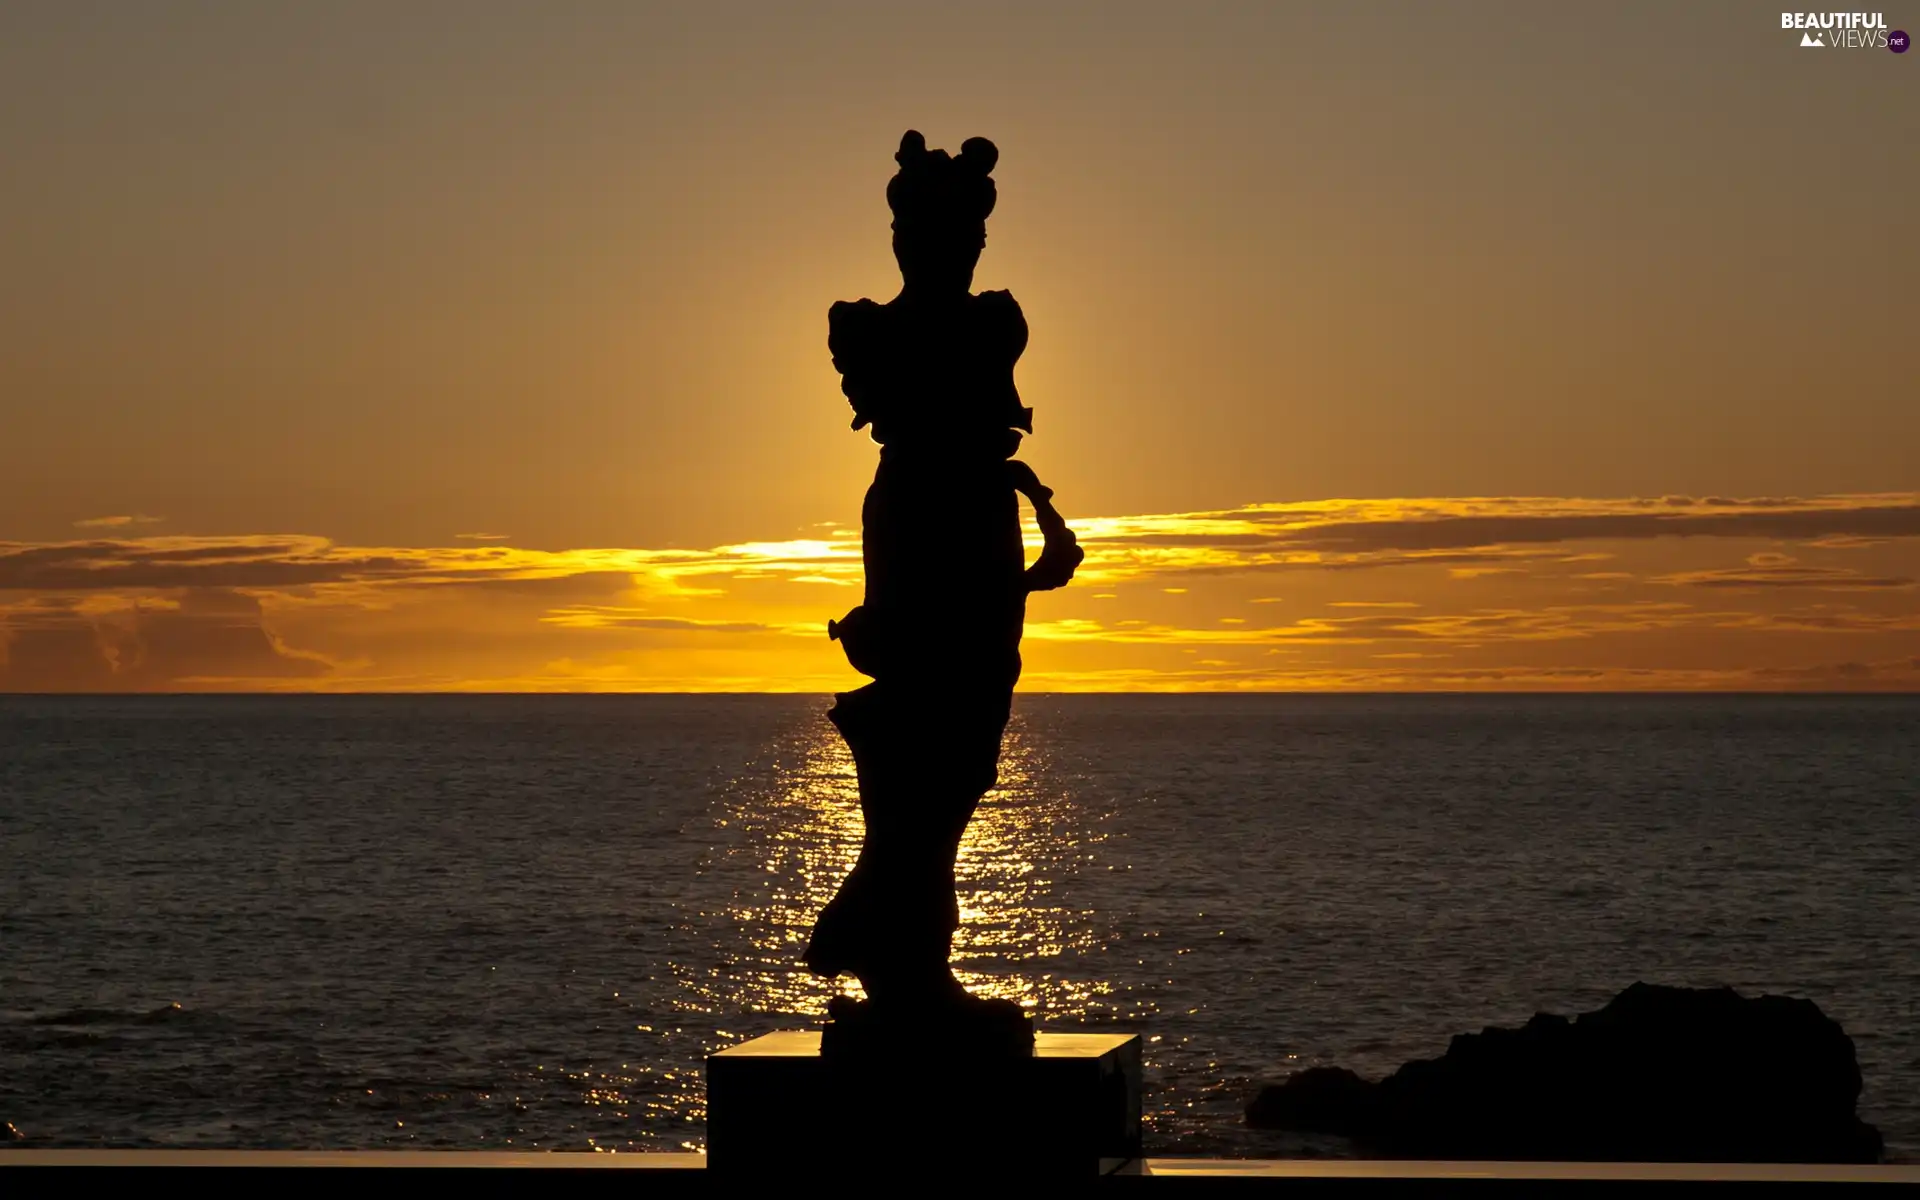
{"type": "Point", "coordinates": [1007, 326]}
{"type": "Point", "coordinates": [850, 341]}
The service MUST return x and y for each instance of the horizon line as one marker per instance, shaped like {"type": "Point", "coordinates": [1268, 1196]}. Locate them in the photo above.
{"type": "Point", "coordinates": [1190, 692]}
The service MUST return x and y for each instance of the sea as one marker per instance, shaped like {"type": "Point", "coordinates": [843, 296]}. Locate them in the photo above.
{"type": "Point", "coordinates": [524, 921]}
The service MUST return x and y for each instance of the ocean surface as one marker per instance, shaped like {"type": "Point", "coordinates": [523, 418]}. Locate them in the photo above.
{"type": "Point", "coordinates": [523, 921]}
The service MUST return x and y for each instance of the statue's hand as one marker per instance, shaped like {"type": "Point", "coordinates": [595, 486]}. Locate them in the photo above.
{"type": "Point", "coordinates": [1060, 555]}
{"type": "Point", "coordinates": [862, 641]}
{"type": "Point", "coordinates": [1027, 483]}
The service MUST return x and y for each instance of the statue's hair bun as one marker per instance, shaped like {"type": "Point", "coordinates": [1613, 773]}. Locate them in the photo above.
{"type": "Point", "coordinates": [933, 189]}
{"type": "Point", "coordinates": [979, 154]}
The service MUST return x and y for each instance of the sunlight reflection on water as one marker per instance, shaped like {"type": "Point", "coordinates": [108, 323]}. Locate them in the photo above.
{"type": "Point", "coordinates": [802, 833]}
{"type": "Point", "coordinates": [786, 832]}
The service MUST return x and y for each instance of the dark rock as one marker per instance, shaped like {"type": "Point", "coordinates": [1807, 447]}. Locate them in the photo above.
{"type": "Point", "coordinates": [1659, 1074]}
{"type": "Point", "coordinates": [1316, 1100]}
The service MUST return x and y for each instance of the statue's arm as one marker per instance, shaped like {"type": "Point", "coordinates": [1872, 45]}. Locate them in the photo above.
{"type": "Point", "coordinates": [1060, 552]}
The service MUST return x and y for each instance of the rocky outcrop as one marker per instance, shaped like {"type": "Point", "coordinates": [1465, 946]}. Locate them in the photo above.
{"type": "Point", "coordinates": [1661, 1074]}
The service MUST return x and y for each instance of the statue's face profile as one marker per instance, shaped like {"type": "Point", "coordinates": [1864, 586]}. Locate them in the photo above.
{"type": "Point", "coordinates": [939, 259]}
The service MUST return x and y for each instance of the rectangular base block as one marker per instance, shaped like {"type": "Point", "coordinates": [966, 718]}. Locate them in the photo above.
{"type": "Point", "coordinates": [1072, 1109]}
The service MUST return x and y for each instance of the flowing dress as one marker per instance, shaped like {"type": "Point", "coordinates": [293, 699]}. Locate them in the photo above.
{"type": "Point", "coordinates": [941, 620]}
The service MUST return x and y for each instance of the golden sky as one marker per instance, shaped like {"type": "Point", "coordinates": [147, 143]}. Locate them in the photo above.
{"type": "Point", "coordinates": [1600, 316]}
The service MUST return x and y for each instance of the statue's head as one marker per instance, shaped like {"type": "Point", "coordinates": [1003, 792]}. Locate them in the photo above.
{"type": "Point", "coordinates": [940, 208]}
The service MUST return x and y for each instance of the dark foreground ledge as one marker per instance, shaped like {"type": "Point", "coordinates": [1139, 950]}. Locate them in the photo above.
{"type": "Point", "coordinates": [488, 1171]}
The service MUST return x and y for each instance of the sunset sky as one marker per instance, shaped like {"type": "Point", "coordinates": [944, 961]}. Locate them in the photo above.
{"type": "Point", "coordinates": [365, 346]}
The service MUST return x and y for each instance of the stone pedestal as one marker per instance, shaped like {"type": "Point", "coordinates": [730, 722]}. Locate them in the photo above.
{"type": "Point", "coordinates": [1071, 1109]}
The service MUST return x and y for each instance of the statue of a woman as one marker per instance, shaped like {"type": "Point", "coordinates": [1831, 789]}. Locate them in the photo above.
{"type": "Point", "coordinates": [931, 372]}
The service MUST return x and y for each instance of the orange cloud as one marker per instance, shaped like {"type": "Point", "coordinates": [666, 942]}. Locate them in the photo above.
{"type": "Point", "coordinates": [197, 640]}
{"type": "Point", "coordinates": [1473, 592]}
{"type": "Point", "coordinates": [117, 522]}
{"type": "Point", "coordinates": [1830, 579]}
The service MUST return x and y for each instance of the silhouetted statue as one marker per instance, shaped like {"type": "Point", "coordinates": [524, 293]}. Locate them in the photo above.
{"type": "Point", "coordinates": [931, 372]}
